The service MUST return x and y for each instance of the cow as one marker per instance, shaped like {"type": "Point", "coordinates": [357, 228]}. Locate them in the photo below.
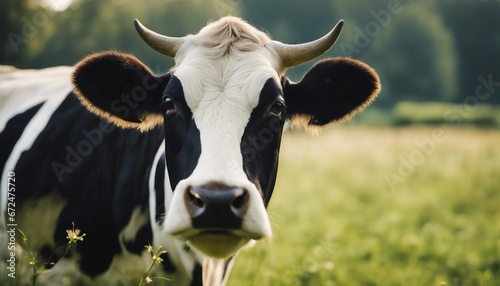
{"type": "Point", "coordinates": [186, 160]}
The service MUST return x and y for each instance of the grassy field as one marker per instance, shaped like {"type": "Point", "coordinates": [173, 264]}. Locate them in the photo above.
{"type": "Point", "coordinates": [382, 206]}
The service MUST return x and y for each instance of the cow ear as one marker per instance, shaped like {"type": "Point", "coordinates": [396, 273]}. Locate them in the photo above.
{"type": "Point", "coordinates": [120, 88]}
{"type": "Point", "coordinates": [333, 90]}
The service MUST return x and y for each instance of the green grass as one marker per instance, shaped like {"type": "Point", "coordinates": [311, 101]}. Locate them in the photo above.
{"type": "Point", "coordinates": [339, 221]}
{"type": "Point", "coordinates": [382, 206]}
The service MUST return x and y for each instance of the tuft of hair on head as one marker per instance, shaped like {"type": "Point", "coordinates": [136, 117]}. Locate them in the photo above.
{"type": "Point", "coordinates": [230, 34]}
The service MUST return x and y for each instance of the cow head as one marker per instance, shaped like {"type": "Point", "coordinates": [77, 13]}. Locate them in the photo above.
{"type": "Point", "coordinates": [223, 106]}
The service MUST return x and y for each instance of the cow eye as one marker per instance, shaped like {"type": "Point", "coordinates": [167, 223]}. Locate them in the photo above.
{"type": "Point", "coordinates": [168, 103]}
{"type": "Point", "coordinates": [278, 109]}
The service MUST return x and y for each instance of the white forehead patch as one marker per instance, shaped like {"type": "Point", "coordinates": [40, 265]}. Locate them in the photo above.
{"type": "Point", "coordinates": [228, 60]}
{"type": "Point", "coordinates": [221, 113]}
{"type": "Point", "coordinates": [222, 98]}
{"type": "Point", "coordinates": [222, 71]}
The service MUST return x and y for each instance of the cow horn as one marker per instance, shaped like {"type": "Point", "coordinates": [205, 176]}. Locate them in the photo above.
{"type": "Point", "coordinates": [292, 55]}
{"type": "Point", "coordinates": [163, 44]}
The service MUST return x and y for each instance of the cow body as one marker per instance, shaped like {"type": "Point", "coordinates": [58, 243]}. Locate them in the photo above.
{"type": "Point", "coordinates": [185, 160]}
{"type": "Point", "coordinates": [59, 183]}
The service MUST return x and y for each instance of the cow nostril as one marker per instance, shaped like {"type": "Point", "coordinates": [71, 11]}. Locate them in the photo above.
{"type": "Point", "coordinates": [217, 206]}
{"type": "Point", "coordinates": [196, 199]}
{"type": "Point", "coordinates": [240, 201]}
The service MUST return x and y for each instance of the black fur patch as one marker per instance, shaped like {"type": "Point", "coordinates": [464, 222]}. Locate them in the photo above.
{"type": "Point", "coordinates": [197, 275]}
{"type": "Point", "coordinates": [167, 264]}
{"type": "Point", "coordinates": [182, 137]}
{"type": "Point", "coordinates": [101, 186]}
{"type": "Point", "coordinates": [261, 141]}
{"type": "Point", "coordinates": [160, 190]}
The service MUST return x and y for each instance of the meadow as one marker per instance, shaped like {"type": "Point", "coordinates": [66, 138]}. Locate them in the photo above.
{"type": "Point", "coordinates": [358, 205]}
{"type": "Point", "coordinates": [382, 206]}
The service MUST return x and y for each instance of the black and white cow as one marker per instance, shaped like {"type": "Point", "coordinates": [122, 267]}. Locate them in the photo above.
{"type": "Point", "coordinates": [186, 160]}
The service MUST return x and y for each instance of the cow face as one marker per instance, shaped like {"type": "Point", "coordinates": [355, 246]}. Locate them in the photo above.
{"type": "Point", "coordinates": [222, 107]}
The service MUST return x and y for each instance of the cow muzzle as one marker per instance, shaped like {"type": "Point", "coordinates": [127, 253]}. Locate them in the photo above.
{"type": "Point", "coordinates": [217, 218]}
{"type": "Point", "coordinates": [216, 207]}
{"type": "Point", "coordinates": [217, 213]}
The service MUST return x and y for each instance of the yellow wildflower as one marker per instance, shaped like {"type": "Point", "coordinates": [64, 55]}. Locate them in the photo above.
{"type": "Point", "coordinates": [157, 259]}
{"type": "Point", "coordinates": [74, 235]}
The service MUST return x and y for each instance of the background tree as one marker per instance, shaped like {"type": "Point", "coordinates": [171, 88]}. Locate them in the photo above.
{"type": "Point", "coordinates": [476, 28]}
{"type": "Point", "coordinates": [14, 40]}
{"type": "Point", "coordinates": [425, 51]}
{"type": "Point", "coordinates": [416, 57]}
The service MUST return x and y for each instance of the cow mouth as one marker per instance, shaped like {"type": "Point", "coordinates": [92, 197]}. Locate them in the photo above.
{"type": "Point", "coordinates": [217, 243]}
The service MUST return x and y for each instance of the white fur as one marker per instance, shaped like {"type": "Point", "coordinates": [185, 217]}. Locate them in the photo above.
{"type": "Point", "coordinates": [183, 260]}
{"type": "Point", "coordinates": [64, 272]}
{"type": "Point", "coordinates": [137, 220]}
{"type": "Point", "coordinates": [212, 271]}
{"type": "Point", "coordinates": [222, 90]}
{"type": "Point", "coordinates": [126, 266]}
{"type": "Point", "coordinates": [23, 89]}
{"type": "Point", "coordinates": [19, 91]}
{"type": "Point", "coordinates": [39, 231]}
{"type": "Point", "coordinates": [152, 191]}
{"type": "Point", "coordinates": [38, 220]}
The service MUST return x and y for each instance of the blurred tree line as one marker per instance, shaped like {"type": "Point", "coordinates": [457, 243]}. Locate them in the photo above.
{"type": "Point", "coordinates": [435, 50]}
